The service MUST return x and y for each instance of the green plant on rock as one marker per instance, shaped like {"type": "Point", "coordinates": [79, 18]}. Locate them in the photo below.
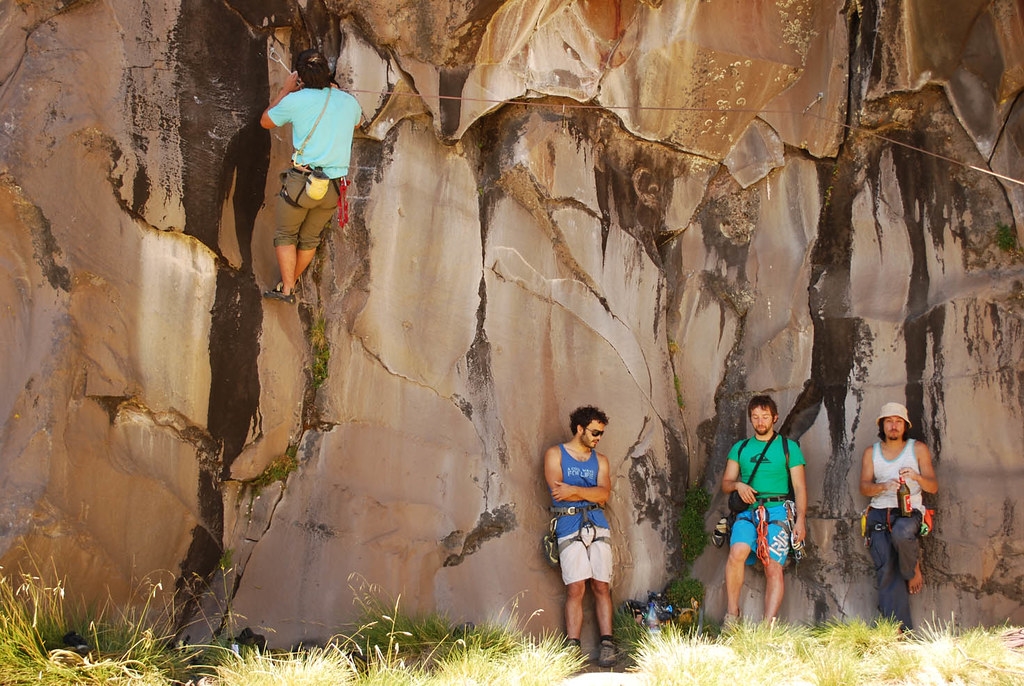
{"type": "Point", "coordinates": [1006, 238]}
{"type": "Point", "coordinates": [321, 350]}
{"type": "Point", "coordinates": [225, 562]}
{"type": "Point", "coordinates": [692, 536]}
{"type": "Point", "coordinates": [686, 593]}
{"type": "Point", "coordinates": [278, 469]}
{"type": "Point", "coordinates": [673, 349]}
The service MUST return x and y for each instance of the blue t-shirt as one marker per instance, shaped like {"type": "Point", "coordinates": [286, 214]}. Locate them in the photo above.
{"type": "Point", "coordinates": [576, 473]}
{"type": "Point", "coordinates": [330, 146]}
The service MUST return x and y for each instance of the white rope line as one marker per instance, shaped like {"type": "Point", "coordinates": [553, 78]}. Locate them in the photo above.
{"type": "Point", "coordinates": [273, 54]}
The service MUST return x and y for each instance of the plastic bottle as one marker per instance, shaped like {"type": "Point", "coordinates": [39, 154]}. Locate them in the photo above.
{"type": "Point", "coordinates": [653, 626]}
{"type": "Point", "coordinates": [903, 497]}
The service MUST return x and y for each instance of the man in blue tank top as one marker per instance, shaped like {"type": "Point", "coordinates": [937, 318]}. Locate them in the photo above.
{"type": "Point", "coordinates": [580, 483]}
{"type": "Point", "coordinates": [892, 538]}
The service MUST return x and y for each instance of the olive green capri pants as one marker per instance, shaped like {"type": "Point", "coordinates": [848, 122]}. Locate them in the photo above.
{"type": "Point", "coordinates": [300, 219]}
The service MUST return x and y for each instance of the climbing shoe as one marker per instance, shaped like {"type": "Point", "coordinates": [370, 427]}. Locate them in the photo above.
{"type": "Point", "coordinates": [720, 532]}
{"type": "Point", "coordinates": [277, 293]}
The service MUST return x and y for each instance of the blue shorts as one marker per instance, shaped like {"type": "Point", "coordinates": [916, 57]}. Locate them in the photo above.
{"type": "Point", "coordinates": [744, 530]}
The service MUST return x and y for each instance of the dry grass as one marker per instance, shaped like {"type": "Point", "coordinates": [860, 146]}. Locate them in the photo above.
{"type": "Point", "coordinates": [393, 649]}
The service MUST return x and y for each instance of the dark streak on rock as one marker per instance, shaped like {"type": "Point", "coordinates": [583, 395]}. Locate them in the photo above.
{"type": "Point", "coordinates": [650, 488]}
{"type": "Point", "coordinates": [630, 179]}
{"type": "Point", "coordinates": [480, 407]}
{"type": "Point", "coordinates": [490, 525]}
{"type": "Point", "coordinates": [234, 352]}
{"type": "Point", "coordinates": [841, 343]}
{"type": "Point", "coordinates": [923, 335]}
{"type": "Point", "coordinates": [730, 422]}
{"type": "Point", "coordinates": [223, 145]}
{"type": "Point", "coordinates": [804, 412]}
{"type": "Point", "coordinates": [450, 84]}
{"type": "Point", "coordinates": [318, 530]}
{"type": "Point", "coordinates": [204, 553]}
{"type": "Point", "coordinates": [464, 405]}
{"type": "Point", "coordinates": [45, 249]}
{"type": "Point", "coordinates": [677, 484]}
{"type": "Point", "coordinates": [728, 215]}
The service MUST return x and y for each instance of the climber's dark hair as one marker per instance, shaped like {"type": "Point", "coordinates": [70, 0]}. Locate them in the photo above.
{"type": "Point", "coordinates": [582, 416]}
{"type": "Point", "coordinates": [762, 402]}
{"type": "Point", "coordinates": [313, 69]}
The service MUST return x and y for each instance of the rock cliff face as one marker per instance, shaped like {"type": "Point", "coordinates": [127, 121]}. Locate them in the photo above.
{"type": "Point", "coordinates": [655, 207]}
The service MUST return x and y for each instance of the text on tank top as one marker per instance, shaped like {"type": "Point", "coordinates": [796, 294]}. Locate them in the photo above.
{"type": "Point", "coordinates": [583, 474]}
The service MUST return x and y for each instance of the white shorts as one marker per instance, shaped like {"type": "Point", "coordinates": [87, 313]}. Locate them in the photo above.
{"type": "Point", "coordinates": [580, 562]}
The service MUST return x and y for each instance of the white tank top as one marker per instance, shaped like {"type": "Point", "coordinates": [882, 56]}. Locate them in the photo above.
{"type": "Point", "coordinates": [889, 470]}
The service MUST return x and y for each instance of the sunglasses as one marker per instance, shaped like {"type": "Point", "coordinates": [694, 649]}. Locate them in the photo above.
{"type": "Point", "coordinates": [595, 434]}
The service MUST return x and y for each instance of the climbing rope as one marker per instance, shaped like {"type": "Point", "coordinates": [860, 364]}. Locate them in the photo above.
{"type": "Point", "coordinates": [274, 55]}
{"type": "Point", "coordinates": [762, 534]}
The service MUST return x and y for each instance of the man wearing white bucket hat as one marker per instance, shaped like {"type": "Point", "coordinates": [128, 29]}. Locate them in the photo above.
{"type": "Point", "coordinates": [892, 537]}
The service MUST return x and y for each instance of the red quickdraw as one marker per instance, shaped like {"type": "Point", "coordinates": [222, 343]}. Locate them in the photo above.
{"type": "Point", "coordinates": [342, 202]}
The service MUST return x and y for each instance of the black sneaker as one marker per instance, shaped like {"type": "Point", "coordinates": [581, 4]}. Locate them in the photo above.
{"type": "Point", "coordinates": [74, 642]}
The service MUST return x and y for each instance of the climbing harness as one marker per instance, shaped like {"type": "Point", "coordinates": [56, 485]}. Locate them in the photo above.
{"type": "Point", "coordinates": [587, 533]}
{"type": "Point", "coordinates": [927, 523]}
{"type": "Point", "coordinates": [927, 520]}
{"type": "Point", "coordinates": [723, 528]}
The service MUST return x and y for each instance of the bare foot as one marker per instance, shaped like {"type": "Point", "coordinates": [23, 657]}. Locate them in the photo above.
{"type": "Point", "coordinates": [917, 582]}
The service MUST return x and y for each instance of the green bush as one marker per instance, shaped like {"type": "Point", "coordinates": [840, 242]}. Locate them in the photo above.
{"type": "Point", "coordinates": [684, 592]}
{"type": "Point", "coordinates": [277, 470]}
{"type": "Point", "coordinates": [692, 536]}
{"type": "Point", "coordinates": [321, 351]}
{"type": "Point", "coordinates": [1006, 237]}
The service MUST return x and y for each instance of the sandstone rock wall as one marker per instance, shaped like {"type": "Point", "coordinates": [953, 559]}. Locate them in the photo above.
{"type": "Point", "coordinates": [655, 207]}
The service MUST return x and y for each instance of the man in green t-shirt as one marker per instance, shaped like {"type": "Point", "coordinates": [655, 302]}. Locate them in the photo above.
{"type": "Point", "coordinates": [761, 531]}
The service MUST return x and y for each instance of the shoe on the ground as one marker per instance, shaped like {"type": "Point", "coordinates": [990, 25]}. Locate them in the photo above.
{"type": "Point", "coordinates": [75, 642]}
{"type": "Point", "coordinates": [730, 622]}
{"type": "Point", "coordinates": [277, 293]}
{"type": "Point", "coordinates": [608, 654]}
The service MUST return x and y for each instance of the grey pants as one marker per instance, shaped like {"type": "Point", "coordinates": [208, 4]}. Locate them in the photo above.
{"type": "Point", "coordinates": [895, 552]}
